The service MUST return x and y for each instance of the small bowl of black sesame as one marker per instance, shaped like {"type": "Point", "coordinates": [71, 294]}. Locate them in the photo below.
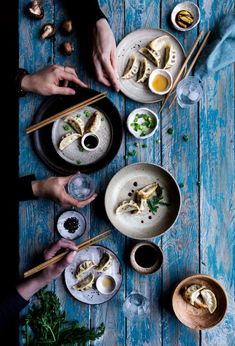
{"type": "Point", "coordinates": [71, 224]}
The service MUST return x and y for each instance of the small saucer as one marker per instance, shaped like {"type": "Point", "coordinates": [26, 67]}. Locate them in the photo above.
{"type": "Point", "coordinates": [71, 224]}
{"type": "Point", "coordinates": [107, 288]}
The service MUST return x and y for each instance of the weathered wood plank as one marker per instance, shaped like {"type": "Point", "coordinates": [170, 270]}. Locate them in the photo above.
{"type": "Point", "coordinates": [181, 159]}
{"type": "Point", "coordinates": [217, 180]}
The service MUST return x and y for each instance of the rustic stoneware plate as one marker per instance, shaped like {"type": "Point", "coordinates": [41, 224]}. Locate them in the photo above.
{"type": "Point", "coordinates": [93, 296]}
{"type": "Point", "coordinates": [122, 187]}
{"type": "Point", "coordinates": [199, 318]}
{"type": "Point", "coordinates": [131, 44]}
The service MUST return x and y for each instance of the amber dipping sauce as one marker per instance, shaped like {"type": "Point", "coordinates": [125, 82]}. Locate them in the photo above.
{"type": "Point", "coordinates": [160, 83]}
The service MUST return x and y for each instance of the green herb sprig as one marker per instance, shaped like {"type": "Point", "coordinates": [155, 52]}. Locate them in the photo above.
{"type": "Point", "coordinates": [155, 201]}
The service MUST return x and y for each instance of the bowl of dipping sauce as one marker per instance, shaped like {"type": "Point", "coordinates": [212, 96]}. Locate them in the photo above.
{"type": "Point", "coordinates": [105, 284]}
{"type": "Point", "coordinates": [146, 257]}
{"type": "Point", "coordinates": [185, 16]}
{"type": "Point", "coordinates": [160, 81]}
{"type": "Point", "coordinates": [90, 141]}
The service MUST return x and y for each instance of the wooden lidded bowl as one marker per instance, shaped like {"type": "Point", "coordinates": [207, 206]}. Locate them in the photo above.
{"type": "Point", "coordinates": [201, 318]}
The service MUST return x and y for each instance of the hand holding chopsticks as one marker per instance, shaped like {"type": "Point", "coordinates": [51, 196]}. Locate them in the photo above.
{"type": "Point", "coordinates": [57, 258]}
{"type": "Point", "coordinates": [63, 113]}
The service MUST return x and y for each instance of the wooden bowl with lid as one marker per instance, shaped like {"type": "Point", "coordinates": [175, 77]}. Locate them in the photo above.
{"type": "Point", "coordinates": [199, 318]}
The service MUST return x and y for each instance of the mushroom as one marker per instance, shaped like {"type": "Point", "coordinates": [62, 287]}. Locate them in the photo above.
{"type": "Point", "coordinates": [66, 27]}
{"type": "Point", "coordinates": [48, 30]}
{"type": "Point", "coordinates": [67, 48]}
{"type": "Point", "coordinates": [35, 10]}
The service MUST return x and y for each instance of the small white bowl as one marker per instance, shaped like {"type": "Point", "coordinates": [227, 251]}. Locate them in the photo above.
{"type": "Point", "coordinates": [188, 6]}
{"type": "Point", "coordinates": [89, 134]}
{"type": "Point", "coordinates": [165, 73]}
{"type": "Point", "coordinates": [102, 288]}
{"type": "Point", "coordinates": [131, 117]}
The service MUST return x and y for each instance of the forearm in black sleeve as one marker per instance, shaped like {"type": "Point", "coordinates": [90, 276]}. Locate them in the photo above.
{"type": "Point", "coordinates": [24, 188]}
{"type": "Point", "coordinates": [10, 308]}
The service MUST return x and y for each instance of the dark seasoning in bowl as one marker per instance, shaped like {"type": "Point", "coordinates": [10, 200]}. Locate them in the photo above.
{"type": "Point", "coordinates": [71, 224]}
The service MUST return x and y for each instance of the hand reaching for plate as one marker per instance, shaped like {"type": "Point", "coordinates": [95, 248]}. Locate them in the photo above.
{"type": "Point", "coordinates": [53, 188]}
{"type": "Point", "coordinates": [47, 81]}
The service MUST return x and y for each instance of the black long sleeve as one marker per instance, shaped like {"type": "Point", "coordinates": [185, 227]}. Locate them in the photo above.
{"type": "Point", "coordinates": [10, 308]}
{"type": "Point", "coordinates": [24, 188]}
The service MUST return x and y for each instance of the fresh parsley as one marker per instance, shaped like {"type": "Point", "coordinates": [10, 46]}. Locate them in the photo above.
{"type": "Point", "coordinates": [155, 201]}
{"type": "Point", "coordinates": [67, 127]}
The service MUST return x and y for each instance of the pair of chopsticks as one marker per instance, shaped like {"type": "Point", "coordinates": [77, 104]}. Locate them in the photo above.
{"type": "Point", "coordinates": [57, 258]}
{"type": "Point", "coordinates": [185, 64]}
{"type": "Point", "coordinates": [61, 114]}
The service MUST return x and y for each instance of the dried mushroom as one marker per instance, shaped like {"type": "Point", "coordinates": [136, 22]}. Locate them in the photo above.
{"type": "Point", "coordinates": [66, 27]}
{"type": "Point", "coordinates": [35, 10]}
{"type": "Point", "coordinates": [67, 48]}
{"type": "Point", "coordinates": [47, 31]}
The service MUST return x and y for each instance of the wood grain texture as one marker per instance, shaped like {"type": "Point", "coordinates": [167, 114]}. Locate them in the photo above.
{"type": "Point", "coordinates": [202, 240]}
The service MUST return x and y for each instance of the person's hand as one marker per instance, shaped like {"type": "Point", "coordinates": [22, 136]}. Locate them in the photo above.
{"type": "Point", "coordinates": [104, 55]}
{"type": "Point", "coordinates": [32, 285]}
{"type": "Point", "coordinates": [47, 81]}
{"type": "Point", "coordinates": [54, 188]}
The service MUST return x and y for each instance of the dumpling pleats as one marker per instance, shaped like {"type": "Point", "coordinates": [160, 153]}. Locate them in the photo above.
{"type": "Point", "coordinates": [68, 139]}
{"type": "Point", "coordinates": [131, 67]}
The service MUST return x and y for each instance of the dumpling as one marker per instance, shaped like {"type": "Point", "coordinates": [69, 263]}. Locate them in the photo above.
{"type": "Point", "coordinates": [158, 43]}
{"type": "Point", "coordinates": [144, 71]}
{"type": "Point", "coordinates": [147, 191]}
{"type": "Point", "coordinates": [128, 206]}
{"type": "Point", "coordinates": [170, 56]}
{"type": "Point", "coordinates": [142, 202]}
{"type": "Point", "coordinates": [85, 284]}
{"type": "Point", "coordinates": [84, 267]}
{"type": "Point", "coordinates": [68, 139]}
{"type": "Point", "coordinates": [105, 263]}
{"type": "Point", "coordinates": [76, 123]}
{"type": "Point", "coordinates": [93, 123]}
{"type": "Point", "coordinates": [131, 67]}
{"type": "Point", "coordinates": [209, 299]}
{"type": "Point", "coordinates": [192, 293]}
{"type": "Point", "coordinates": [150, 54]}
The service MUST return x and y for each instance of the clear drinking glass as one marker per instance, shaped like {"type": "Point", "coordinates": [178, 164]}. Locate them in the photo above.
{"type": "Point", "coordinates": [189, 91]}
{"type": "Point", "coordinates": [136, 306]}
{"type": "Point", "coordinates": [81, 187]}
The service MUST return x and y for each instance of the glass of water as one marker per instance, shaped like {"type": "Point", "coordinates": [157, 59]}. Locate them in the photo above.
{"type": "Point", "coordinates": [81, 187]}
{"type": "Point", "coordinates": [136, 306]}
{"type": "Point", "coordinates": [189, 91]}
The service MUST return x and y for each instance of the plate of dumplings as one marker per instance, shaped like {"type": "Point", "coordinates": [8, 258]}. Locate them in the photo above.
{"type": "Point", "coordinates": [88, 265]}
{"type": "Point", "coordinates": [142, 51]}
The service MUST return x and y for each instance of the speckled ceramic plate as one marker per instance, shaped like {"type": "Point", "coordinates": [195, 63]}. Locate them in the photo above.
{"type": "Point", "coordinates": [93, 296]}
{"type": "Point", "coordinates": [122, 187]}
{"type": "Point", "coordinates": [74, 153]}
{"type": "Point", "coordinates": [131, 44]}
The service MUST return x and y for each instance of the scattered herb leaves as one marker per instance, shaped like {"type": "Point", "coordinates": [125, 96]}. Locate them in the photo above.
{"type": "Point", "coordinates": [87, 114]}
{"type": "Point", "coordinates": [79, 162]}
{"type": "Point", "coordinates": [144, 145]}
{"type": "Point", "coordinates": [136, 144]}
{"type": "Point", "coordinates": [132, 153]}
{"type": "Point", "coordinates": [66, 127]}
{"type": "Point", "coordinates": [158, 141]}
{"type": "Point", "coordinates": [181, 185]}
{"type": "Point", "coordinates": [170, 131]}
{"type": "Point", "coordinates": [185, 138]}
{"type": "Point", "coordinates": [155, 201]}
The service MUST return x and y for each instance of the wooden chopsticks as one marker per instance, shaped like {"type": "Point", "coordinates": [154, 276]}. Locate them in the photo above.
{"type": "Point", "coordinates": [61, 114]}
{"type": "Point", "coordinates": [181, 70]}
{"type": "Point", "coordinates": [193, 62]}
{"type": "Point", "coordinates": [57, 258]}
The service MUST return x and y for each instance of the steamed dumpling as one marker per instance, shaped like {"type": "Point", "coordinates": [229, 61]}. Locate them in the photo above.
{"type": "Point", "coordinates": [150, 54]}
{"type": "Point", "coordinates": [192, 294]}
{"type": "Point", "coordinates": [84, 267]}
{"type": "Point", "coordinates": [68, 139]}
{"type": "Point", "coordinates": [85, 284]}
{"type": "Point", "coordinates": [128, 206]}
{"type": "Point", "coordinates": [131, 67]}
{"type": "Point", "coordinates": [76, 123]}
{"type": "Point", "coordinates": [142, 202]}
{"type": "Point", "coordinates": [170, 56]}
{"type": "Point", "coordinates": [147, 191]}
{"type": "Point", "coordinates": [209, 299]}
{"type": "Point", "coordinates": [144, 71]}
{"type": "Point", "coordinates": [105, 263]}
{"type": "Point", "coordinates": [158, 43]}
{"type": "Point", "coordinates": [94, 122]}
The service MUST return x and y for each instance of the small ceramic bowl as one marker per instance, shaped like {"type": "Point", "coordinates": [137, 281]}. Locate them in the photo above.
{"type": "Point", "coordinates": [164, 73]}
{"type": "Point", "coordinates": [193, 317]}
{"type": "Point", "coordinates": [188, 6]}
{"type": "Point", "coordinates": [132, 116]}
{"type": "Point", "coordinates": [90, 141]}
{"type": "Point", "coordinates": [105, 284]}
{"type": "Point", "coordinates": [146, 257]}
{"type": "Point", "coordinates": [71, 224]}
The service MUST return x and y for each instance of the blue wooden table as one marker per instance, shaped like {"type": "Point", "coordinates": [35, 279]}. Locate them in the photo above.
{"type": "Point", "coordinates": [202, 240]}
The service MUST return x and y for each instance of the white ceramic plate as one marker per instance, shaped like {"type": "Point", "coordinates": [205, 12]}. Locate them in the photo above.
{"type": "Point", "coordinates": [74, 153]}
{"type": "Point", "coordinates": [93, 296]}
{"type": "Point", "coordinates": [146, 225]}
{"type": "Point", "coordinates": [131, 44]}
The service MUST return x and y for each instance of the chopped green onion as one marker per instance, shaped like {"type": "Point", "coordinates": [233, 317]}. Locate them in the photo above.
{"type": "Point", "coordinates": [87, 113]}
{"type": "Point", "coordinates": [144, 145]}
{"type": "Point", "coordinates": [170, 131]}
{"type": "Point", "coordinates": [79, 162]}
{"type": "Point", "coordinates": [67, 127]}
{"type": "Point", "coordinates": [132, 153]}
{"type": "Point", "coordinates": [181, 185]}
{"type": "Point", "coordinates": [136, 144]}
{"type": "Point", "coordinates": [158, 141]}
{"type": "Point", "coordinates": [185, 138]}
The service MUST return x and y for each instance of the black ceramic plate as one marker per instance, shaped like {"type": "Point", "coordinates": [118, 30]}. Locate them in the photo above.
{"type": "Point", "coordinates": [42, 137]}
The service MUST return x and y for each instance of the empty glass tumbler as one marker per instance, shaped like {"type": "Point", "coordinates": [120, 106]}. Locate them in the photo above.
{"type": "Point", "coordinates": [189, 91]}
{"type": "Point", "coordinates": [136, 306]}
